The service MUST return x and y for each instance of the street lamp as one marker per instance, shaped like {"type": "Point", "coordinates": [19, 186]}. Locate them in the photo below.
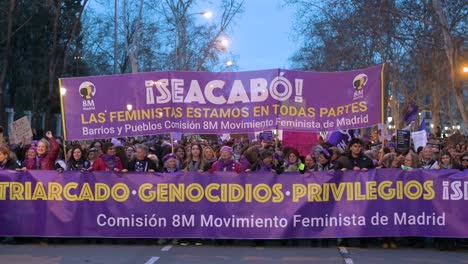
{"type": "Point", "coordinates": [224, 43]}
{"type": "Point", "coordinates": [229, 63]}
{"type": "Point", "coordinates": [207, 14]}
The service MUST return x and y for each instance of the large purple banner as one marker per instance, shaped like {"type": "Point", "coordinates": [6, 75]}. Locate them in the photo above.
{"type": "Point", "coordinates": [229, 102]}
{"type": "Point", "coordinates": [377, 203]}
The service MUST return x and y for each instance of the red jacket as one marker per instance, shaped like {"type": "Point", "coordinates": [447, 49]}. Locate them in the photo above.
{"type": "Point", "coordinates": [48, 160]}
{"type": "Point", "coordinates": [100, 165]}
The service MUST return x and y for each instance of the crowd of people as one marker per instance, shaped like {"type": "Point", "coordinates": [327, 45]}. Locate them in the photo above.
{"type": "Point", "coordinates": [159, 154]}
{"type": "Point", "coordinates": [156, 154]}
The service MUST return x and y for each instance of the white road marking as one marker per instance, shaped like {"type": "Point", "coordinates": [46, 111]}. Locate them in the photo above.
{"type": "Point", "coordinates": [343, 250]}
{"type": "Point", "coordinates": [152, 260]}
{"type": "Point", "coordinates": [166, 248]}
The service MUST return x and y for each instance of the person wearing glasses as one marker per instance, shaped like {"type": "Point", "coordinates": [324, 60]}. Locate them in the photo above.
{"type": "Point", "coordinates": [464, 160]}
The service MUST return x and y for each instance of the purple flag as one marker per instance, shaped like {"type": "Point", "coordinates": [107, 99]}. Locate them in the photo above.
{"type": "Point", "coordinates": [423, 126]}
{"type": "Point", "coordinates": [341, 139]}
{"type": "Point", "coordinates": [411, 113]}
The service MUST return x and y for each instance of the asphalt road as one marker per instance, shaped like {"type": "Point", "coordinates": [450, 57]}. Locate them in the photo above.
{"type": "Point", "coordinates": [120, 252]}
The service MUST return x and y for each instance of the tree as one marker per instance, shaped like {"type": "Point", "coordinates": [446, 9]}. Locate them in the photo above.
{"type": "Point", "coordinates": [440, 22]}
{"type": "Point", "coordinates": [43, 38]}
{"type": "Point", "coordinates": [6, 53]}
{"type": "Point", "coordinates": [407, 35]}
{"type": "Point", "coordinates": [158, 35]}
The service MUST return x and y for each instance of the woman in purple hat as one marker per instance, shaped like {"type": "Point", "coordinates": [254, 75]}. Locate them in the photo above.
{"type": "Point", "coordinates": [226, 162]}
{"type": "Point", "coordinates": [171, 163]}
{"type": "Point", "coordinates": [29, 162]}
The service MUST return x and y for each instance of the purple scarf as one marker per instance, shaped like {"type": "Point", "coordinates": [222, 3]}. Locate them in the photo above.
{"type": "Point", "coordinates": [38, 161]}
{"type": "Point", "coordinates": [228, 165]}
{"type": "Point", "coordinates": [109, 160]}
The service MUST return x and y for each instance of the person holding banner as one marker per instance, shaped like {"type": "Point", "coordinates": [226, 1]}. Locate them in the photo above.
{"type": "Point", "coordinates": [77, 160]}
{"type": "Point", "coordinates": [427, 159]}
{"type": "Point", "coordinates": [248, 158]}
{"type": "Point", "coordinates": [336, 154]}
{"type": "Point", "coordinates": [293, 162]}
{"type": "Point", "coordinates": [226, 161]}
{"type": "Point", "coordinates": [97, 145]}
{"type": "Point", "coordinates": [29, 162]}
{"type": "Point", "coordinates": [171, 163]}
{"type": "Point", "coordinates": [92, 156]}
{"type": "Point", "coordinates": [324, 161]}
{"type": "Point", "coordinates": [209, 156]}
{"type": "Point", "coordinates": [355, 158]}
{"type": "Point", "coordinates": [310, 164]}
{"type": "Point", "coordinates": [180, 153]}
{"type": "Point", "coordinates": [464, 160]}
{"type": "Point", "coordinates": [447, 162]}
{"type": "Point", "coordinates": [6, 163]}
{"type": "Point", "coordinates": [411, 161]}
{"type": "Point", "coordinates": [47, 152]}
{"type": "Point", "coordinates": [195, 160]}
{"type": "Point", "coordinates": [108, 161]}
{"type": "Point", "coordinates": [390, 160]}
{"type": "Point", "coordinates": [265, 163]}
{"type": "Point", "coordinates": [142, 163]}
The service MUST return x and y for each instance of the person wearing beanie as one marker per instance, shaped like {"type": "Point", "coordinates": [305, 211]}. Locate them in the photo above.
{"type": "Point", "coordinates": [265, 163]}
{"type": "Point", "coordinates": [226, 162]}
{"type": "Point", "coordinates": [391, 146]}
{"type": "Point", "coordinates": [29, 162]}
{"type": "Point", "coordinates": [293, 162]}
{"type": "Point", "coordinates": [171, 163]}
